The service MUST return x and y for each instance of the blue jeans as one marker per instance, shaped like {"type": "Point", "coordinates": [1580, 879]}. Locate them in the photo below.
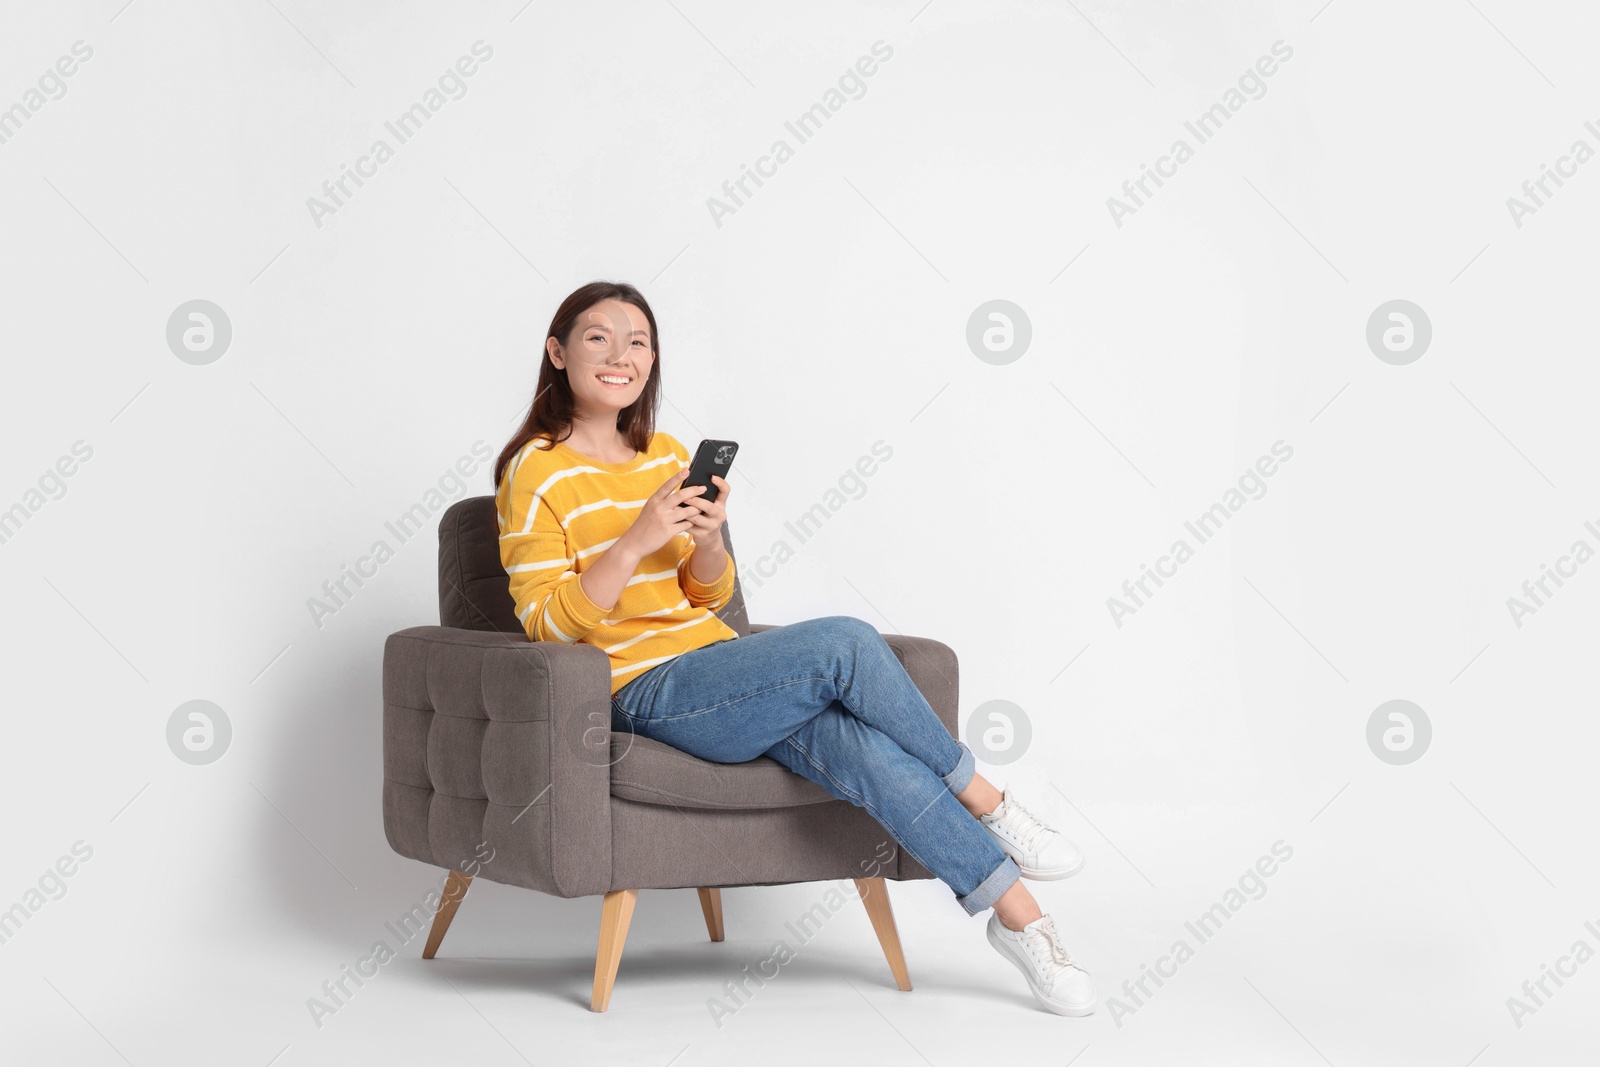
{"type": "Point", "coordinates": [829, 700]}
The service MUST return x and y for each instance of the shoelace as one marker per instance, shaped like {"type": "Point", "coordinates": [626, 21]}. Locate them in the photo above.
{"type": "Point", "coordinates": [1046, 937]}
{"type": "Point", "coordinates": [1025, 825]}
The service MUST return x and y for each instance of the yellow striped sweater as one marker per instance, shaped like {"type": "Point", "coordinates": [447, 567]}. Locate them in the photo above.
{"type": "Point", "coordinates": [559, 510]}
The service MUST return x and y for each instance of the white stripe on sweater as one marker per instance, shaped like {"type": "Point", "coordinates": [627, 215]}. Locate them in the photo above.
{"type": "Point", "coordinates": [518, 568]}
{"type": "Point", "coordinates": [601, 547]}
{"type": "Point", "coordinates": [623, 505]}
{"type": "Point", "coordinates": [662, 630]}
{"type": "Point", "coordinates": [553, 627]}
{"type": "Point", "coordinates": [644, 663]}
{"type": "Point", "coordinates": [637, 578]}
{"type": "Point", "coordinates": [568, 472]}
{"type": "Point", "coordinates": [679, 606]}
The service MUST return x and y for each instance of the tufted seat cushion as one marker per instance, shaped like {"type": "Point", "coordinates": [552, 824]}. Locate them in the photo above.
{"type": "Point", "coordinates": [653, 773]}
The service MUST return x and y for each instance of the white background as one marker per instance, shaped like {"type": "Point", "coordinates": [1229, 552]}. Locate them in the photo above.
{"type": "Point", "coordinates": [827, 313]}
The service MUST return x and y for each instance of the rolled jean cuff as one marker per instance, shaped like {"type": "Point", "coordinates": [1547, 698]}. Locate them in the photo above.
{"type": "Point", "coordinates": [966, 768]}
{"type": "Point", "coordinates": [991, 888]}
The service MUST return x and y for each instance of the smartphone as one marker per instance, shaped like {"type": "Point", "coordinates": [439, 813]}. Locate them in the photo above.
{"type": "Point", "coordinates": [712, 457]}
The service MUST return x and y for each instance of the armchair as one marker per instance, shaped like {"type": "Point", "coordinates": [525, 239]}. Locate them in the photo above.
{"type": "Point", "coordinates": [492, 739]}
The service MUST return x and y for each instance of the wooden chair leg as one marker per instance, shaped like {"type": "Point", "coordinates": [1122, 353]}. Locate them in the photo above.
{"type": "Point", "coordinates": [875, 895]}
{"type": "Point", "coordinates": [711, 904]}
{"type": "Point", "coordinates": [615, 912]}
{"type": "Point", "coordinates": [455, 889]}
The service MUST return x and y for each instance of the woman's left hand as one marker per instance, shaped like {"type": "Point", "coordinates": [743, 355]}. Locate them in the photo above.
{"type": "Point", "coordinates": [708, 515]}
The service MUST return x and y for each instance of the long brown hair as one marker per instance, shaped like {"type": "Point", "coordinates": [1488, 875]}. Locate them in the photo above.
{"type": "Point", "coordinates": [550, 413]}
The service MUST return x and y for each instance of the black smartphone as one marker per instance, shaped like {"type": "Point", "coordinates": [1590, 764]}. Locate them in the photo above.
{"type": "Point", "coordinates": [712, 457]}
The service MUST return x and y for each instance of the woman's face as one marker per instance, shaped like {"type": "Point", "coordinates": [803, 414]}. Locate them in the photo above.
{"type": "Point", "coordinates": [608, 356]}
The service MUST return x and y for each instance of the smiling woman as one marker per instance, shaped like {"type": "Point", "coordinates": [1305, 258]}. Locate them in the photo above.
{"type": "Point", "coordinates": [600, 378]}
{"type": "Point", "coordinates": [590, 533]}
{"type": "Point", "coordinates": [599, 548]}
{"type": "Point", "coordinates": [613, 348]}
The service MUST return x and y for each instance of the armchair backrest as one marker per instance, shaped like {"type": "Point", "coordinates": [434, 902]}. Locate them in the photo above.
{"type": "Point", "coordinates": [474, 589]}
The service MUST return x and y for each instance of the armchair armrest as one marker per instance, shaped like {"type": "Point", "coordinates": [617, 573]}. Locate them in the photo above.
{"type": "Point", "coordinates": [492, 739]}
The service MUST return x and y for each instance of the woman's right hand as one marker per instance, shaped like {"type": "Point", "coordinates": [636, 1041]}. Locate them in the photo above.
{"type": "Point", "coordinates": [660, 520]}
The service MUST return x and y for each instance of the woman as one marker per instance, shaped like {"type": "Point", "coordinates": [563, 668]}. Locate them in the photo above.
{"type": "Point", "coordinates": [602, 546]}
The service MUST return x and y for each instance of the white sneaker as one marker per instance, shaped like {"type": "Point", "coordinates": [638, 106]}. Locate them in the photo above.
{"type": "Point", "coordinates": [1058, 983]}
{"type": "Point", "coordinates": [1038, 848]}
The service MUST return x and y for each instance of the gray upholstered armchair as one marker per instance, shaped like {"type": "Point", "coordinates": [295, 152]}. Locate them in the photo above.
{"type": "Point", "coordinates": [499, 759]}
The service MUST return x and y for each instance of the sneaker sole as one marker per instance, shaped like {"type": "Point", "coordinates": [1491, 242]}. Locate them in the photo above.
{"type": "Point", "coordinates": [1037, 875]}
{"type": "Point", "coordinates": [1056, 1006]}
